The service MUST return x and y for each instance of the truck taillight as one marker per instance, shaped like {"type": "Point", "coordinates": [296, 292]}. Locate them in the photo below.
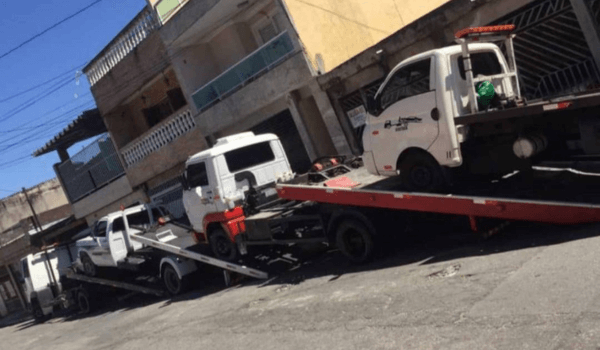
{"type": "Point", "coordinates": [487, 29]}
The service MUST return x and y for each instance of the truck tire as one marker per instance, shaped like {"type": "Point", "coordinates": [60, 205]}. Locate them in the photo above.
{"type": "Point", "coordinates": [37, 312]}
{"type": "Point", "coordinates": [173, 284]}
{"type": "Point", "coordinates": [420, 172]}
{"type": "Point", "coordinates": [89, 268]}
{"type": "Point", "coordinates": [355, 241]}
{"type": "Point", "coordinates": [84, 301]}
{"type": "Point", "coordinates": [222, 247]}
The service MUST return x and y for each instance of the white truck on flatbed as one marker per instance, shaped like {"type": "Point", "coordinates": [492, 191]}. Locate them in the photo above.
{"type": "Point", "coordinates": [427, 118]}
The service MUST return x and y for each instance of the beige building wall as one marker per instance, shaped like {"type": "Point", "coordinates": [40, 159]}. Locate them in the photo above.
{"type": "Point", "coordinates": [47, 197]}
{"type": "Point", "coordinates": [337, 30]}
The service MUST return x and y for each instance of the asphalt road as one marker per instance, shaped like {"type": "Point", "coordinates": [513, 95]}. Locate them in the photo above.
{"type": "Point", "coordinates": [531, 287]}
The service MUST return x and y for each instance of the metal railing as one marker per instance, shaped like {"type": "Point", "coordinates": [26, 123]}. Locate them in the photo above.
{"type": "Point", "coordinates": [93, 167]}
{"type": "Point", "coordinates": [263, 59]}
{"type": "Point", "coordinates": [162, 134]}
{"type": "Point", "coordinates": [137, 30]}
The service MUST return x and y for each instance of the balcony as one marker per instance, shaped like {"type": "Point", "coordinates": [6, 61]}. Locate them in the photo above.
{"type": "Point", "coordinates": [91, 169]}
{"type": "Point", "coordinates": [161, 135]}
{"type": "Point", "coordinates": [255, 64]}
{"type": "Point", "coordinates": [128, 39]}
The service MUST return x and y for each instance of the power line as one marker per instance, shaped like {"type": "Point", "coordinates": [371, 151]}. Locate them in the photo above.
{"type": "Point", "coordinates": [40, 84]}
{"type": "Point", "coordinates": [32, 101]}
{"type": "Point", "coordinates": [48, 29]}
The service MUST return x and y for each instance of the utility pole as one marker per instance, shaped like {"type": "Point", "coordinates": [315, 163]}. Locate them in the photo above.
{"type": "Point", "coordinates": [39, 229]}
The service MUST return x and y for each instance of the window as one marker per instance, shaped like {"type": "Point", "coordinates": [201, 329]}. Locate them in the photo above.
{"type": "Point", "coordinates": [249, 156]}
{"type": "Point", "coordinates": [118, 225]}
{"type": "Point", "coordinates": [167, 106]}
{"type": "Point", "coordinates": [196, 175]}
{"type": "Point", "coordinates": [408, 81]}
{"type": "Point", "coordinates": [100, 229]}
{"type": "Point", "coordinates": [25, 268]}
{"type": "Point", "coordinates": [267, 32]}
{"type": "Point", "coordinates": [484, 63]}
{"type": "Point", "coordinates": [138, 219]}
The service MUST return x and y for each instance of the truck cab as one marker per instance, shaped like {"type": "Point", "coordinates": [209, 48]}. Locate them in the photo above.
{"type": "Point", "coordinates": [410, 125]}
{"type": "Point", "coordinates": [219, 180]}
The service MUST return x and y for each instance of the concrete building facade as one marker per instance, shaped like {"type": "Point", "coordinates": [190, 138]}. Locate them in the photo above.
{"type": "Point", "coordinates": [198, 70]}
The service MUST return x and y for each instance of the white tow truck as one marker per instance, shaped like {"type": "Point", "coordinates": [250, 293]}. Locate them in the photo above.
{"type": "Point", "coordinates": [427, 118]}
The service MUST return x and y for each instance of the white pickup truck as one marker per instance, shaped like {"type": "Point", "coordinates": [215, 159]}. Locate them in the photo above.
{"type": "Point", "coordinates": [110, 245]}
{"type": "Point", "coordinates": [427, 116]}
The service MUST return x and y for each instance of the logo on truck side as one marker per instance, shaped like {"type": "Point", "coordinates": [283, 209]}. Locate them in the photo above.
{"type": "Point", "coordinates": [402, 123]}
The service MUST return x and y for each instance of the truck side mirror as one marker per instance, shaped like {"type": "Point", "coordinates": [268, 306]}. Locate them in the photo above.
{"type": "Point", "coordinates": [372, 107]}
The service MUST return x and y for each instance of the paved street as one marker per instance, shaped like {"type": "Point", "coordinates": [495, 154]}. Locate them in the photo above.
{"type": "Point", "coordinates": [531, 287]}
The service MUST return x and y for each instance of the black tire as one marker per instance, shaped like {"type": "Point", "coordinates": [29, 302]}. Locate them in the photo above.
{"type": "Point", "coordinates": [89, 268]}
{"type": "Point", "coordinates": [37, 312]}
{"type": "Point", "coordinates": [421, 173]}
{"type": "Point", "coordinates": [222, 247]}
{"type": "Point", "coordinates": [355, 241]}
{"type": "Point", "coordinates": [84, 302]}
{"type": "Point", "coordinates": [173, 284]}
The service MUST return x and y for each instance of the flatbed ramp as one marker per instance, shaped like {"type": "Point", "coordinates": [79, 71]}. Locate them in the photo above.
{"type": "Point", "coordinates": [112, 283]}
{"type": "Point", "coordinates": [551, 196]}
{"type": "Point", "coordinates": [171, 239]}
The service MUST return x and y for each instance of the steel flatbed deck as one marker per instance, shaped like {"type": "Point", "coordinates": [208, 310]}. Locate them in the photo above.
{"type": "Point", "coordinates": [548, 196]}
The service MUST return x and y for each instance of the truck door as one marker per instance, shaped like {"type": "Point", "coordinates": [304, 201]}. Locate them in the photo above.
{"type": "Point", "coordinates": [198, 197]}
{"type": "Point", "coordinates": [100, 252]}
{"type": "Point", "coordinates": [409, 116]}
{"type": "Point", "coordinates": [117, 245]}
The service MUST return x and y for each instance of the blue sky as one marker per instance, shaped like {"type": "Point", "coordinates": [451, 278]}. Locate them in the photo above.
{"type": "Point", "coordinates": [28, 121]}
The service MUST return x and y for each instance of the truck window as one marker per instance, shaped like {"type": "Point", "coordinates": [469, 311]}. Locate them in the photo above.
{"type": "Point", "coordinates": [118, 225]}
{"type": "Point", "coordinates": [484, 63]}
{"type": "Point", "coordinates": [138, 219]}
{"type": "Point", "coordinates": [408, 81]}
{"type": "Point", "coordinates": [25, 268]}
{"type": "Point", "coordinates": [100, 229]}
{"type": "Point", "coordinates": [249, 156]}
{"type": "Point", "coordinates": [196, 175]}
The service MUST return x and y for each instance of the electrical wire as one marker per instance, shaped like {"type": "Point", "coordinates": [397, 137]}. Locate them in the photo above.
{"type": "Point", "coordinates": [48, 29]}
{"type": "Point", "coordinates": [5, 99]}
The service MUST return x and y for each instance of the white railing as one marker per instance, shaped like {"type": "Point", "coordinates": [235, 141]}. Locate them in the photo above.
{"type": "Point", "coordinates": [158, 137]}
{"type": "Point", "coordinates": [130, 37]}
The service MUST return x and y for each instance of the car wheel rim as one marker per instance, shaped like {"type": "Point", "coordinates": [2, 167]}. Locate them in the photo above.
{"type": "Point", "coordinates": [421, 176]}
{"type": "Point", "coordinates": [355, 243]}
{"type": "Point", "coordinates": [223, 247]}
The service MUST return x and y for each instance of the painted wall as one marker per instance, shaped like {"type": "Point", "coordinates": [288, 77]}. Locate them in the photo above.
{"type": "Point", "coordinates": [339, 29]}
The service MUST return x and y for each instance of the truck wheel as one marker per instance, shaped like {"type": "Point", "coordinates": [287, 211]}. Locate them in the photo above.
{"type": "Point", "coordinates": [83, 301]}
{"type": "Point", "coordinates": [355, 241]}
{"type": "Point", "coordinates": [89, 268]}
{"type": "Point", "coordinates": [36, 310]}
{"type": "Point", "coordinates": [173, 284]}
{"type": "Point", "coordinates": [222, 247]}
{"type": "Point", "coordinates": [420, 172]}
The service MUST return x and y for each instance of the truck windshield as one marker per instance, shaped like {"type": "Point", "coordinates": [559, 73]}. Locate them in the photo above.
{"type": "Point", "coordinates": [249, 156]}
{"type": "Point", "coordinates": [484, 63]}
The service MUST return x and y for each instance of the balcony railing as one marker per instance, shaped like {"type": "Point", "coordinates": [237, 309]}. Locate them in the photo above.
{"type": "Point", "coordinates": [91, 168]}
{"type": "Point", "coordinates": [262, 60]}
{"type": "Point", "coordinates": [158, 137]}
{"type": "Point", "coordinates": [129, 38]}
